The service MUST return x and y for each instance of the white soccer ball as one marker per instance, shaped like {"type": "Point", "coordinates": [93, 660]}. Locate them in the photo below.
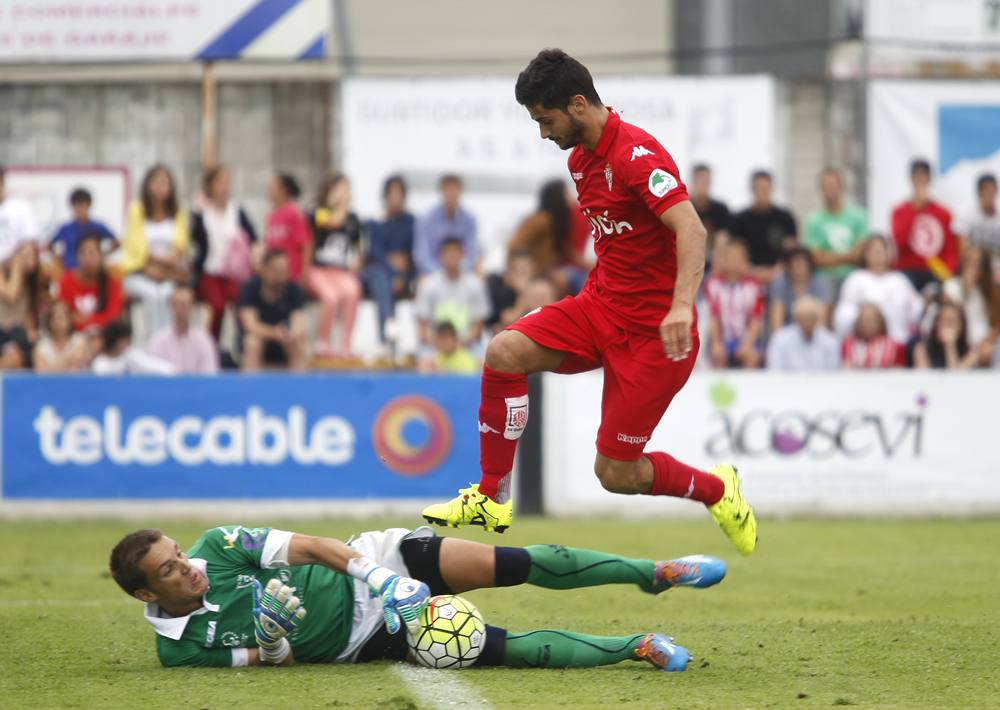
{"type": "Point", "coordinates": [451, 633]}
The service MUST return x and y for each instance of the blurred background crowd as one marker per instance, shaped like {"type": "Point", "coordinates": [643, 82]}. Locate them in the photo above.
{"type": "Point", "coordinates": [193, 285]}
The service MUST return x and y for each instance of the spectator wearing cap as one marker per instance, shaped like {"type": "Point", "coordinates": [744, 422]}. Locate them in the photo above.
{"type": "Point", "coordinates": [222, 236]}
{"type": "Point", "coordinates": [448, 220]}
{"type": "Point", "coordinates": [154, 258]}
{"type": "Point", "coordinates": [188, 347]}
{"type": "Point", "coordinates": [926, 248]}
{"type": "Point", "coordinates": [868, 346]}
{"type": "Point", "coordinates": [804, 345]}
{"type": "Point", "coordinates": [875, 282]}
{"type": "Point", "coordinates": [287, 227]}
{"type": "Point", "coordinates": [452, 294]}
{"type": "Point", "coordinates": [93, 295]}
{"type": "Point", "coordinates": [18, 223]}
{"type": "Point", "coordinates": [119, 356]}
{"type": "Point", "coordinates": [736, 306]}
{"type": "Point", "coordinates": [272, 319]}
{"type": "Point", "coordinates": [63, 244]}
{"type": "Point", "coordinates": [60, 348]}
{"type": "Point", "coordinates": [388, 270]}
{"type": "Point", "coordinates": [797, 279]}
{"type": "Point", "coordinates": [714, 214]}
{"type": "Point", "coordinates": [836, 233]}
{"type": "Point", "coordinates": [766, 229]}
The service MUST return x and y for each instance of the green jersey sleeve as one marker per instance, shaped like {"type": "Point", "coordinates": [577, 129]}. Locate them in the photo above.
{"type": "Point", "coordinates": [240, 546]}
{"type": "Point", "coordinates": [188, 653]}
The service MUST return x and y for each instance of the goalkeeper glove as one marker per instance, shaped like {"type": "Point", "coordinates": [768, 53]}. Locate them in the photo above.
{"type": "Point", "coordinates": [276, 613]}
{"type": "Point", "coordinates": [402, 598]}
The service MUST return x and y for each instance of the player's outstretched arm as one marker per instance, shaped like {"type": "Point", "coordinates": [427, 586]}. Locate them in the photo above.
{"type": "Point", "coordinates": [675, 329]}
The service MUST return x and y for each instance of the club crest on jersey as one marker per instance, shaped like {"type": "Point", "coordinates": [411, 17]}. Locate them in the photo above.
{"type": "Point", "coordinates": [607, 175]}
{"type": "Point", "coordinates": [661, 182]}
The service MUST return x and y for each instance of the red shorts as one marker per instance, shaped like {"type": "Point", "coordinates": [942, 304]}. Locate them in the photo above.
{"type": "Point", "coordinates": [639, 380]}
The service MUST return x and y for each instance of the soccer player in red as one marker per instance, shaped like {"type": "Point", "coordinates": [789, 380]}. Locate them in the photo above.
{"type": "Point", "coordinates": [634, 316]}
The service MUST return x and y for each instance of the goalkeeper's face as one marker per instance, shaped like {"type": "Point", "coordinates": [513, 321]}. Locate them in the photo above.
{"type": "Point", "coordinates": [170, 576]}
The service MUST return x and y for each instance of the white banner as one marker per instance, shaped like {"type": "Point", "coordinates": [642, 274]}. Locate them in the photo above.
{"type": "Point", "coordinates": [953, 124]}
{"type": "Point", "coordinates": [901, 443]}
{"type": "Point", "coordinates": [474, 127]}
{"type": "Point", "coordinates": [48, 190]}
{"type": "Point", "coordinates": [129, 30]}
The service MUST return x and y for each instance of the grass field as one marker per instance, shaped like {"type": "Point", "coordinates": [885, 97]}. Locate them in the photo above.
{"type": "Point", "coordinates": [827, 613]}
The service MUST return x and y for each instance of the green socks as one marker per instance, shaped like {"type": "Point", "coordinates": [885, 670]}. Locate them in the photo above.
{"type": "Point", "coordinates": [558, 567]}
{"type": "Point", "coordinates": [564, 649]}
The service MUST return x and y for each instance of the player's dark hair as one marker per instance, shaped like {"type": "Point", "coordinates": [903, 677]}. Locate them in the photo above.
{"type": "Point", "coordinates": [445, 327]}
{"type": "Point", "coordinates": [552, 78]}
{"type": "Point", "coordinates": [113, 333]}
{"type": "Point", "coordinates": [127, 555]}
{"type": "Point", "coordinates": [451, 242]}
{"type": "Point", "coordinates": [552, 201]}
{"type": "Point", "coordinates": [79, 196]}
{"type": "Point", "coordinates": [272, 254]}
{"type": "Point", "coordinates": [449, 179]}
{"type": "Point", "coordinates": [102, 274]}
{"type": "Point", "coordinates": [761, 175]}
{"type": "Point", "coordinates": [170, 204]}
{"type": "Point", "coordinates": [984, 180]}
{"type": "Point", "coordinates": [700, 168]}
{"type": "Point", "coordinates": [920, 165]}
{"type": "Point", "coordinates": [289, 185]}
{"type": "Point", "coordinates": [393, 180]}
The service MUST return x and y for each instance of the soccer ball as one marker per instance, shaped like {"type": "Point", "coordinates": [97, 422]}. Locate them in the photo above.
{"type": "Point", "coordinates": [451, 633]}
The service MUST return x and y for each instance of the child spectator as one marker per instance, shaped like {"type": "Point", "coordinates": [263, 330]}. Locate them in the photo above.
{"type": "Point", "coordinates": [875, 283]}
{"type": "Point", "coordinates": [868, 346]}
{"type": "Point", "coordinates": [60, 349]}
{"type": "Point", "coordinates": [287, 228]}
{"type": "Point", "coordinates": [449, 220]}
{"type": "Point", "coordinates": [736, 304]}
{"type": "Point", "coordinates": [119, 357]}
{"type": "Point", "coordinates": [449, 355]}
{"type": "Point", "coordinates": [155, 247]}
{"type": "Point", "coordinates": [972, 291]}
{"type": "Point", "coordinates": [805, 344]}
{"type": "Point", "coordinates": [926, 248]}
{"type": "Point", "coordinates": [766, 229]}
{"type": "Point", "coordinates": [63, 244]}
{"type": "Point", "coordinates": [797, 279]}
{"type": "Point", "coordinates": [835, 234]}
{"type": "Point", "coordinates": [389, 267]}
{"type": "Point", "coordinates": [947, 346]}
{"type": "Point", "coordinates": [454, 295]}
{"type": "Point", "coordinates": [332, 275]}
{"type": "Point", "coordinates": [187, 347]}
{"type": "Point", "coordinates": [222, 236]}
{"type": "Point", "coordinates": [19, 299]}
{"type": "Point", "coordinates": [93, 295]}
{"type": "Point", "coordinates": [272, 320]}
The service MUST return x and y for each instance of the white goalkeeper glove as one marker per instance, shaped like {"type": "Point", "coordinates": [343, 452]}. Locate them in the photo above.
{"type": "Point", "coordinates": [276, 613]}
{"type": "Point", "coordinates": [402, 598]}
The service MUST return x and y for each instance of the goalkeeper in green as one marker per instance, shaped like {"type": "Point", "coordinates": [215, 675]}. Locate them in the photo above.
{"type": "Point", "coordinates": [249, 596]}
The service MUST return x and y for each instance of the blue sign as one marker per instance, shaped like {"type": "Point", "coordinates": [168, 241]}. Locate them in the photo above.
{"type": "Point", "coordinates": [238, 436]}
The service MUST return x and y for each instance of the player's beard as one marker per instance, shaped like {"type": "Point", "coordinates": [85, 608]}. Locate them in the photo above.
{"type": "Point", "coordinates": [575, 134]}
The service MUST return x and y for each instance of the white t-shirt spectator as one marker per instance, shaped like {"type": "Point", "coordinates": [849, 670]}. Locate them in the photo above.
{"type": "Point", "coordinates": [977, 316]}
{"type": "Point", "coordinates": [18, 225]}
{"type": "Point", "coordinates": [892, 292]}
{"type": "Point", "coordinates": [789, 351]}
{"type": "Point", "coordinates": [983, 231]}
{"type": "Point", "coordinates": [190, 353]}
{"type": "Point", "coordinates": [462, 302]}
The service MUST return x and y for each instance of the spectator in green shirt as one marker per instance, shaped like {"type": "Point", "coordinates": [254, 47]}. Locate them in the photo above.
{"type": "Point", "coordinates": [835, 234]}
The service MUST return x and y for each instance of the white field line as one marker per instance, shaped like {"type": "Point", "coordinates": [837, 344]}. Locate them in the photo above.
{"type": "Point", "coordinates": [439, 689]}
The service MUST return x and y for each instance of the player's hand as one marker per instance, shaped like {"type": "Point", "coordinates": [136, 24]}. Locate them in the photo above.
{"type": "Point", "coordinates": [276, 612]}
{"type": "Point", "coordinates": [403, 599]}
{"type": "Point", "coordinates": [675, 332]}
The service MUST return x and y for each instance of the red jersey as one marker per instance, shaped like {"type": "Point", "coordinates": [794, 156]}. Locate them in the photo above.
{"type": "Point", "coordinates": [624, 185]}
{"type": "Point", "coordinates": [84, 299]}
{"type": "Point", "coordinates": [735, 303]}
{"type": "Point", "coordinates": [288, 230]}
{"type": "Point", "coordinates": [921, 234]}
{"type": "Point", "coordinates": [876, 353]}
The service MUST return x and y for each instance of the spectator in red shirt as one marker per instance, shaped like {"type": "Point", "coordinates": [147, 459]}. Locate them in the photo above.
{"type": "Point", "coordinates": [869, 346]}
{"type": "Point", "coordinates": [736, 304]}
{"type": "Point", "coordinates": [926, 248]}
{"type": "Point", "coordinates": [94, 295]}
{"type": "Point", "coordinates": [287, 228]}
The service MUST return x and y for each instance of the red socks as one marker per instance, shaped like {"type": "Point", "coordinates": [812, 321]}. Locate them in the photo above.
{"type": "Point", "coordinates": [678, 480]}
{"type": "Point", "coordinates": [503, 414]}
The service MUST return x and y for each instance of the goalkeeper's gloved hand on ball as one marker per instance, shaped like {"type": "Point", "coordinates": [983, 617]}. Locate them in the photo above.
{"type": "Point", "coordinates": [276, 613]}
{"type": "Point", "coordinates": [403, 599]}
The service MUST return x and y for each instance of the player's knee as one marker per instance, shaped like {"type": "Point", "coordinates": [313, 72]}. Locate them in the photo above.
{"type": "Point", "coordinates": [618, 476]}
{"type": "Point", "coordinates": [502, 354]}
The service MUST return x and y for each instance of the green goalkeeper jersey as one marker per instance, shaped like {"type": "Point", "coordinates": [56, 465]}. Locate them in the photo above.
{"type": "Point", "coordinates": [219, 633]}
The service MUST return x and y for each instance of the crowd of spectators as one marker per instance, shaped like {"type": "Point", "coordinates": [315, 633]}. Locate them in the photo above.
{"type": "Point", "coordinates": [834, 295]}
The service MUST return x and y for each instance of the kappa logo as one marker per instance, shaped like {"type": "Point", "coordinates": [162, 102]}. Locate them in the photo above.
{"type": "Point", "coordinates": [630, 439]}
{"type": "Point", "coordinates": [577, 176]}
{"type": "Point", "coordinates": [661, 182]}
{"type": "Point", "coordinates": [485, 428]}
{"type": "Point", "coordinates": [639, 151]}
